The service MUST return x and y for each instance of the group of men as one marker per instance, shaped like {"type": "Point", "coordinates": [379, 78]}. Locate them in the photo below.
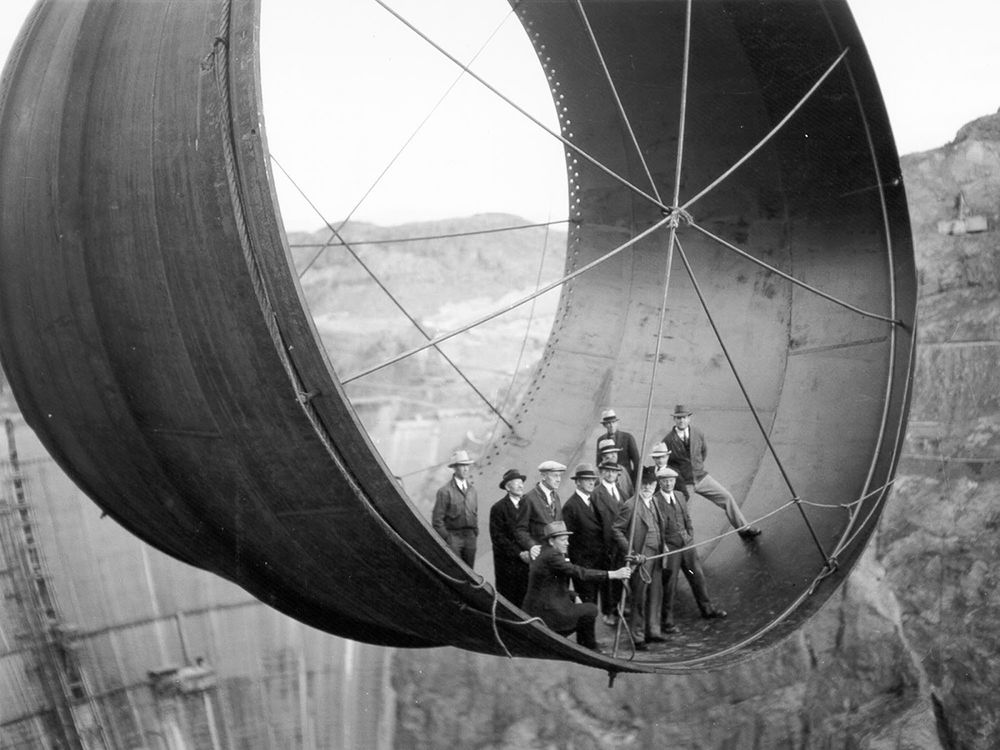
{"type": "Point", "coordinates": [605, 532]}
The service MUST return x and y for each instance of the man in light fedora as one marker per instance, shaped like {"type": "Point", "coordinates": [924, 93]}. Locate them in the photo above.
{"type": "Point", "coordinates": [542, 506]}
{"type": "Point", "coordinates": [455, 514]}
{"type": "Point", "coordinates": [628, 453]}
{"type": "Point", "coordinates": [510, 560]}
{"type": "Point", "coordinates": [660, 455]}
{"type": "Point", "coordinates": [591, 522]}
{"type": "Point", "coordinates": [548, 594]}
{"type": "Point", "coordinates": [688, 450]}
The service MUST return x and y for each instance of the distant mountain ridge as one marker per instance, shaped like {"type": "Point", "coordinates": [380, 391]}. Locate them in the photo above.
{"type": "Point", "coordinates": [422, 271]}
{"type": "Point", "coordinates": [465, 268]}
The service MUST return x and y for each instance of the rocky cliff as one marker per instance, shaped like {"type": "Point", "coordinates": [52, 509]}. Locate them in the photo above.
{"type": "Point", "coordinates": [905, 655]}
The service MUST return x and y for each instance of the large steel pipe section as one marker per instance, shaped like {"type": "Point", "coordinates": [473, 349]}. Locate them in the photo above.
{"type": "Point", "coordinates": [153, 332]}
{"type": "Point", "coordinates": [822, 201]}
{"type": "Point", "coordinates": [154, 335]}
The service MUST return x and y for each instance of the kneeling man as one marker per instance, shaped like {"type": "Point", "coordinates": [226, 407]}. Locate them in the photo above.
{"type": "Point", "coordinates": [549, 596]}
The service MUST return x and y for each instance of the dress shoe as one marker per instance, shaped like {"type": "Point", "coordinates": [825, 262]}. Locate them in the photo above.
{"type": "Point", "coordinates": [609, 620]}
{"type": "Point", "coordinates": [713, 614]}
{"type": "Point", "coordinates": [750, 532]}
{"type": "Point", "coordinates": [670, 629]}
{"type": "Point", "coordinates": [641, 646]}
{"type": "Point", "coordinates": [655, 639]}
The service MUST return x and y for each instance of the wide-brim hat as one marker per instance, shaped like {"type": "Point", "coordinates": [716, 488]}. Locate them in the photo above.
{"type": "Point", "coordinates": [509, 475]}
{"type": "Point", "coordinates": [682, 411]}
{"type": "Point", "coordinates": [551, 466]}
{"type": "Point", "coordinates": [584, 471]}
{"type": "Point", "coordinates": [660, 449]}
{"type": "Point", "coordinates": [460, 458]}
{"type": "Point", "coordinates": [606, 445]}
{"type": "Point", "coordinates": [666, 471]}
{"type": "Point", "coordinates": [556, 528]}
{"type": "Point", "coordinates": [608, 415]}
{"type": "Point", "coordinates": [608, 464]}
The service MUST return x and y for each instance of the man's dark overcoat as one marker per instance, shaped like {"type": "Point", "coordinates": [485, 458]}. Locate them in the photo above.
{"type": "Point", "coordinates": [511, 572]}
{"type": "Point", "coordinates": [548, 594]}
{"type": "Point", "coordinates": [531, 523]}
{"type": "Point", "coordinates": [593, 530]}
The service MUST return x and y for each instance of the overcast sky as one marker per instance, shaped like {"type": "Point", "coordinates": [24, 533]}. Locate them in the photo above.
{"type": "Point", "coordinates": [346, 85]}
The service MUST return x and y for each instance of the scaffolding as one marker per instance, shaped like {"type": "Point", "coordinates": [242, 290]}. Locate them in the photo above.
{"type": "Point", "coordinates": [159, 656]}
{"type": "Point", "coordinates": [68, 716]}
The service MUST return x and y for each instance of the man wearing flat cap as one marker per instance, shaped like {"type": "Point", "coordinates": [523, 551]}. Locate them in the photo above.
{"type": "Point", "coordinates": [628, 453]}
{"type": "Point", "coordinates": [542, 506]}
{"type": "Point", "coordinates": [548, 594]}
{"type": "Point", "coordinates": [688, 451]}
{"type": "Point", "coordinates": [679, 534]}
{"type": "Point", "coordinates": [510, 560]}
{"type": "Point", "coordinates": [455, 510]}
{"type": "Point", "coordinates": [591, 522]}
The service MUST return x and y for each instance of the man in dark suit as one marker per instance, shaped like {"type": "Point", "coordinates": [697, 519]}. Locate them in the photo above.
{"type": "Point", "coordinates": [548, 594]}
{"type": "Point", "coordinates": [639, 539]}
{"type": "Point", "coordinates": [542, 506]}
{"type": "Point", "coordinates": [510, 560]}
{"type": "Point", "coordinates": [609, 453]}
{"type": "Point", "coordinates": [591, 522]}
{"type": "Point", "coordinates": [679, 533]}
{"type": "Point", "coordinates": [608, 492]}
{"type": "Point", "coordinates": [628, 454]}
{"type": "Point", "coordinates": [688, 451]}
{"type": "Point", "coordinates": [456, 506]}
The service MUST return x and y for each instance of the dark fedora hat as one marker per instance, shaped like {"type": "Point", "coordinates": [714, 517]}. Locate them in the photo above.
{"type": "Point", "coordinates": [511, 474]}
{"type": "Point", "coordinates": [648, 475]}
{"type": "Point", "coordinates": [682, 411]}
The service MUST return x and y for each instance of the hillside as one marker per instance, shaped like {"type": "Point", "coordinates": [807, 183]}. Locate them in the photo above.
{"type": "Point", "coordinates": [361, 325]}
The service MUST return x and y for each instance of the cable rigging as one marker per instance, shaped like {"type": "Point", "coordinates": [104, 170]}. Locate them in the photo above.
{"type": "Point", "coordinates": [399, 305]}
{"type": "Point", "coordinates": [497, 313]}
{"type": "Point", "coordinates": [673, 217]}
{"type": "Point", "coordinates": [673, 214]}
{"type": "Point", "coordinates": [618, 101]}
{"type": "Point", "coordinates": [746, 396]}
{"type": "Point", "coordinates": [565, 141]}
{"type": "Point", "coordinates": [409, 140]}
{"type": "Point", "coordinates": [672, 220]}
{"type": "Point", "coordinates": [447, 236]}
{"type": "Point", "coordinates": [332, 468]}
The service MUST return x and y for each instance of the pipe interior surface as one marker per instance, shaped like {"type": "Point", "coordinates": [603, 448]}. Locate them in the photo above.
{"type": "Point", "coordinates": [155, 336]}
